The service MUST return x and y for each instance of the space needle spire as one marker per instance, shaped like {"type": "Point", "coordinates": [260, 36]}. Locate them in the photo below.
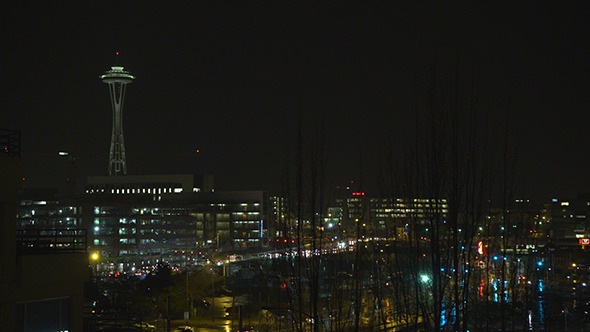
{"type": "Point", "coordinates": [117, 79]}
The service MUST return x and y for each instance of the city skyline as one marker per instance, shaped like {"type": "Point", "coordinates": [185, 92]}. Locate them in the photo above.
{"type": "Point", "coordinates": [231, 80]}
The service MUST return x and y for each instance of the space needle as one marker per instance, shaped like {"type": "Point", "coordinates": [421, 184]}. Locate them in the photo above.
{"type": "Point", "coordinates": [117, 79]}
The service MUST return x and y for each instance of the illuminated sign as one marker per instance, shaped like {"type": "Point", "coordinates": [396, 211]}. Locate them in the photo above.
{"type": "Point", "coordinates": [480, 247]}
{"type": "Point", "coordinates": [584, 241]}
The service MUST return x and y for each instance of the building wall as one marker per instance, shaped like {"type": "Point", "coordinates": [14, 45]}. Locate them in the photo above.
{"type": "Point", "coordinates": [45, 277]}
{"type": "Point", "coordinates": [10, 181]}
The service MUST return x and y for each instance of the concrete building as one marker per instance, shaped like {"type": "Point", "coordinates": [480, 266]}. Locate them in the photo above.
{"type": "Point", "coordinates": [133, 221]}
{"type": "Point", "coordinates": [383, 217]}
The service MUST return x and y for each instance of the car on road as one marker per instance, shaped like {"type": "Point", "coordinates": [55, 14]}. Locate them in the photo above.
{"type": "Point", "coordinates": [184, 328]}
{"type": "Point", "coordinates": [203, 304]}
{"type": "Point", "coordinates": [145, 326]}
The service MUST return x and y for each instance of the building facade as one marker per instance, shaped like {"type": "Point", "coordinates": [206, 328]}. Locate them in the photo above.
{"type": "Point", "coordinates": [143, 220]}
{"type": "Point", "coordinates": [382, 217]}
{"type": "Point", "coordinates": [568, 221]}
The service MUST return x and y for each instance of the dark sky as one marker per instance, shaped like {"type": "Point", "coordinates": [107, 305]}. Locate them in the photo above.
{"type": "Point", "coordinates": [232, 79]}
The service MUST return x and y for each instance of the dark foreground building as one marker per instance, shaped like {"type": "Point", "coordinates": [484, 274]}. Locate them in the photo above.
{"type": "Point", "coordinates": [42, 271]}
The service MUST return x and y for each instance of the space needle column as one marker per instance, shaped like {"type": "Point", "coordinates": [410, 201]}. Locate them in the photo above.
{"type": "Point", "coordinates": [117, 79]}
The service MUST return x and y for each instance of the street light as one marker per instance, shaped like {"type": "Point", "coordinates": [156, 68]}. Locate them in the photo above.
{"type": "Point", "coordinates": [95, 257]}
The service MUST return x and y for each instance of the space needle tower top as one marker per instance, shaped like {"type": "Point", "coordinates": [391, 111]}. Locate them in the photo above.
{"type": "Point", "coordinates": [117, 79]}
{"type": "Point", "coordinates": [117, 74]}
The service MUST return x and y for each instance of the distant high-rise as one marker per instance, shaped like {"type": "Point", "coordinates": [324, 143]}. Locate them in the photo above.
{"type": "Point", "coordinates": [117, 79]}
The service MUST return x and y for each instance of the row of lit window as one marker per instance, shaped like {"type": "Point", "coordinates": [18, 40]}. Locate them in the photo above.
{"type": "Point", "coordinates": [248, 222]}
{"type": "Point", "coordinates": [136, 191]}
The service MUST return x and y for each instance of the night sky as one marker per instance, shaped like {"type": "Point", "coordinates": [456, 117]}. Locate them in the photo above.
{"type": "Point", "coordinates": [232, 80]}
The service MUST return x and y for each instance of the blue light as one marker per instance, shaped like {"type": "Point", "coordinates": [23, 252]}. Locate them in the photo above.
{"type": "Point", "coordinates": [495, 258]}
{"type": "Point", "coordinates": [540, 263]}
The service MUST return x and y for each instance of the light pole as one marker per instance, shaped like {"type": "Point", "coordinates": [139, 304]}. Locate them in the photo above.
{"type": "Point", "coordinates": [187, 312]}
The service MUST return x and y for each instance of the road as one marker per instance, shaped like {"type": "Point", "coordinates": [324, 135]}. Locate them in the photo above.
{"type": "Point", "coordinates": [217, 318]}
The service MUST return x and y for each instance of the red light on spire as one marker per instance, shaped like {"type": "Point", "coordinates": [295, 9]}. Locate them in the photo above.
{"type": "Point", "coordinates": [116, 53]}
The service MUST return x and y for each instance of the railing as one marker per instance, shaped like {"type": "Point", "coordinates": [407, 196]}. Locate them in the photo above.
{"type": "Point", "coordinates": [42, 241]}
{"type": "Point", "coordinates": [9, 142]}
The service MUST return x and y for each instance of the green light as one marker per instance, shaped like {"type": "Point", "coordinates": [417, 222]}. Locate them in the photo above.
{"type": "Point", "coordinates": [425, 278]}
